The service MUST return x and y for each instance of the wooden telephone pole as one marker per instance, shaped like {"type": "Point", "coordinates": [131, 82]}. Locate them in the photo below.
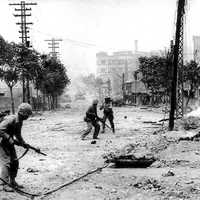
{"type": "Point", "coordinates": [53, 44]}
{"type": "Point", "coordinates": [24, 26]}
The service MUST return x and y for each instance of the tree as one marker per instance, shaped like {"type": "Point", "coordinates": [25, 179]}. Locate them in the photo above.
{"type": "Point", "coordinates": [11, 77]}
{"type": "Point", "coordinates": [191, 76]}
{"type": "Point", "coordinates": [51, 79]}
{"type": "Point", "coordinates": [28, 65]}
{"type": "Point", "coordinates": [156, 73]}
{"type": "Point", "coordinates": [9, 71]}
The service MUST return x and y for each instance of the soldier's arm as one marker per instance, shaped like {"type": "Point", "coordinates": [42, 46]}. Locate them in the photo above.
{"type": "Point", "coordinates": [3, 129]}
{"type": "Point", "coordinates": [101, 107]}
{"type": "Point", "coordinates": [19, 137]}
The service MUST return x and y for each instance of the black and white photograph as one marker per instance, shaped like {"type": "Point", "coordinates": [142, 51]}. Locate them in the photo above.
{"type": "Point", "coordinates": [99, 100]}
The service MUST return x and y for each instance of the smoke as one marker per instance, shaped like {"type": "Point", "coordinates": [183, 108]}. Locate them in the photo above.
{"type": "Point", "coordinates": [78, 87]}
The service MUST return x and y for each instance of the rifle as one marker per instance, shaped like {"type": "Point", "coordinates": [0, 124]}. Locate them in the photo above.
{"type": "Point", "coordinates": [28, 146]}
{"type": "Point", "coordinates": [101, 120]}
{"type": "Point", "coordinates": [37, 150]}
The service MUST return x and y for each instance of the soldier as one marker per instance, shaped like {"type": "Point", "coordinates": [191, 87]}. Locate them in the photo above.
{"type": "Point", "coordinates": [91, 119]}
{"type": "Point", "coordinates": [10, 134]}
{"type": "Point", "coordinates": [107, 114]}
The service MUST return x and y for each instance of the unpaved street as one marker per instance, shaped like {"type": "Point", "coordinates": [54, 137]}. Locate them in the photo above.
{"type": "Point", "coordinates": [58, 134]}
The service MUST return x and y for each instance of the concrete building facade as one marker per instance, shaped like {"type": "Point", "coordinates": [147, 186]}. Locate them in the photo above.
{"type": "Point", "coordinates": [112, 67]}
{"type": "Point", "coordinates": [118, 68]}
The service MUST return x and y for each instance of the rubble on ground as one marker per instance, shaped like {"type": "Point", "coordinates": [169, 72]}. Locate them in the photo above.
{"type": "Point", "coordinates": [191, 136]}
{"type": "Point", "coordinates": [188, 123]}
{"type": "Point", "coordinates": [131, 156]}
{"type": "Point", "coordinates": [169, 173]}
{"type": "Point", "coordinates": [148, 184]}
{"type": "Point", "coordinates": [189, 127]}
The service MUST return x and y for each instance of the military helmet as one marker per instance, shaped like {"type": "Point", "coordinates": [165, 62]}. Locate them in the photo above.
{"type": "Point", "coordinates": [95, 102]}
{"type": "Point", "coordinates": [25, 109]}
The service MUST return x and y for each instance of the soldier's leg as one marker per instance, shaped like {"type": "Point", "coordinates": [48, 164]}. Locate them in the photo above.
{"type": "Point", "coordinates": [103, 123]}
{"type": "Point", "coordinates": [5, 168]}
{"type": "Point", "coordinates": [111, 118]}
{"type": "Point", "coordinates": [96, 130]}
{"type": "Point", "coordinates": [87, 131]}
{"type": "Point", "coordinates": [14, 166]}
{"type": "Point", "coordinates": [4, 165]}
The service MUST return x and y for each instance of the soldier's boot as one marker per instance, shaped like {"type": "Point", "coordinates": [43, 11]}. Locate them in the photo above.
{"type": "Point", "coordinates": [15, 184]}
{"type": "Point", "coordinates": [7, 188]}
{"type": "Point", "coordinates": [103, 130]}
{"type": "Point", "coordinates": [113, 129]}
{"type": "Point", "coordinates": [5, 177]}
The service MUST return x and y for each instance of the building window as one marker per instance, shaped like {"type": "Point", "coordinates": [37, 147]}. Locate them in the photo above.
{"type": "Point", "coordinates": [103, 62]}
{"type": "Point", "coordinates": [103, 70]}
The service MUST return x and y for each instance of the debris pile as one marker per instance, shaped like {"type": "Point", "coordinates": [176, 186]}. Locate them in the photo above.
{"type": "Point", "coordinates": [169, 173]}
{"type": "Point", "coordinates": [132, 161]}
{"type": "Point", "coordinates": [148, 184]}
{"type": "Point", "coordinates": [131, 156]}
{"type": "Point", "coordinates": [191, 137]}
{"type": "Point", "coordinates": [189, 123]}
{"type": "Point", "coordinates": [191, 127]}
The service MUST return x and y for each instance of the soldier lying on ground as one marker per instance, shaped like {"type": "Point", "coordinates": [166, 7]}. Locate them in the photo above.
{"type": "Point", "coordinates": [10, 134]}
{"type": "Point", "coordinates": [91, 119]}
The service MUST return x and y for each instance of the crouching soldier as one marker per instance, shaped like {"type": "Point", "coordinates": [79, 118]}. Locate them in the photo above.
{"type": "Point", "coordinates": [91, 119]}
{"type": "Point", "coordinates": [10, 134]}
{"type": "Point", "coordinates": [107, 114]}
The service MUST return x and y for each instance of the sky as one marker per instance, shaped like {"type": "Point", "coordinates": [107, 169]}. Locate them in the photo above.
{"type": "Point", "coordinates": [89, 26]}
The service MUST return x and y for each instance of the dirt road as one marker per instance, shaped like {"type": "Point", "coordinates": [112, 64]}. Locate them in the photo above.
{"type": "Point", "coordinates": [58, 135]}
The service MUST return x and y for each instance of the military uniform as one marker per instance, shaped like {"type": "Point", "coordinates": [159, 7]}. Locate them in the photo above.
{"type": "Point", "coordinates": [91, 119]}
{"type": "Point", "coordinates": [10, 134]}
{"type": "Point", "coordinates": [107, 114]}
{"type": "Point", "coordinates": [10, 128]}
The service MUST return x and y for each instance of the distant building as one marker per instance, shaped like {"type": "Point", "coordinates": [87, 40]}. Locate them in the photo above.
{"type": "Point", "coordinates": [5, 101]}
{"type": "Point", "coordinates": [112, 67]}
{"type": "Point", "coordinates": [196, 48]}
{"type": "Point", "coordinates": [119, 68]}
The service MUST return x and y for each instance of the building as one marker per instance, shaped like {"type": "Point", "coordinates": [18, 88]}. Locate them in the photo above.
{"type": "Point", "coordinates": [116, 68]}
{"type": "Point", "coordinates": [136, 93]}
{"type": "Point", "coordinates": [119, 68]}
{"type": "Point", "coordinates": [5, 96]}
{"type": "Point", "coordinates": [196, 48]}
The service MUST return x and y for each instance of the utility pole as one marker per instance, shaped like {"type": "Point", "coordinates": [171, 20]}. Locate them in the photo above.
{"type": "Point", "coordinates": [109, 87]}
{"type": "Point", "coordinates": [135, 78]}
{"type": "Point", "coordinates": [53, 44]}
{"type": "Point", "coordinates": [177, 89]}
{"type": "Point", "coordinates": [123, 87]}
{"type": "Point", "coordinates": [24, 38]}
